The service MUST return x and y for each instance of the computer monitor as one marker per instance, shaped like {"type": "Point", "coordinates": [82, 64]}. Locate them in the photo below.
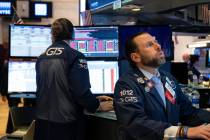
{"type": "Point", "coordinates": [21, 76]}
{"type": "Point", "coordinates": [29, 40]}
{"type": "Point", "coordinates": [40, 9]}
{"type": "Point", "coordinates": [97, 4]}
{"type": "Point", "coordinates": [6, 8]}
{"type": "Point", "coordinates": [103, 76]}
{"type": "Point", "coordinates": [96, 41]}
{"type": "Point", "coordinates": [163, 35]}
{"type": "Point", "coordinates": [208, 58]}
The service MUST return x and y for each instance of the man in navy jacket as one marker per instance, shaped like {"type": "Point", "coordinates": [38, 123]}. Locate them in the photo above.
{"type": "Point", "coordinates": [63, 88]}
{"type": "Point", "coordinates": [149, 103]}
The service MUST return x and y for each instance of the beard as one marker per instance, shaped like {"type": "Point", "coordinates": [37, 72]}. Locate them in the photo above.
{"type": "Point", "coordinates": [153, 62]}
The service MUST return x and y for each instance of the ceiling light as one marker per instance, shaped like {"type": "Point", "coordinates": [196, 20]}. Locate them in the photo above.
{"type": "Point", "coordinates": [136, 9]}
{"type": "Point", "coordinates": [197, 45]}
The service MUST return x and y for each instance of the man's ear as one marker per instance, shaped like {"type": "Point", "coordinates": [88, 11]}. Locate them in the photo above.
{"type": "Point", "coordinates": [135, 57]}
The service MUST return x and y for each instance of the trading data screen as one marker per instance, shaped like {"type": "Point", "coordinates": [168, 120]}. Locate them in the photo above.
{"type": "Point", "coordinates": [21, 76]}
{"type": "Point", "coordinates": [96, 41]}
{"type": "Point", "coordinates": [103, 76]}
{"type": "Point", "coordinates": [29, 41]}
{"type": "Point", "coordinates": [5, 8]}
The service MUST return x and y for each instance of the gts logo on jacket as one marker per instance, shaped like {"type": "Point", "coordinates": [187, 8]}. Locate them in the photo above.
{"type": "Point", "coordinates": [54, 51]}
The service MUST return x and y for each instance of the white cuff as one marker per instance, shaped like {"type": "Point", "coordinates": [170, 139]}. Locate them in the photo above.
{"type": "Point", "coordinates": [171, 132]}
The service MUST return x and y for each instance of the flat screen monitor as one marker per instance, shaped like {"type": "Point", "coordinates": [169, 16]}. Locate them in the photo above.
{"type": "Point", "coordinates": [208, 58]}
{"type": "Point", "coordinates": [21, 77]}
{"type": "Point", "coordinates": [29, 40]}
{"type": "Point", "coordinates": [6, 8]}
{"type": "Point", "coordinates": [103, 76]}
{"type": "Point", "coordinates": [97, 4]}
{"type": "Point", "coordinates": [163, 35]}
{"type": "Point", "coordinates": [96, 41]}
{"type": "Point", "coordinates": [40, 9]}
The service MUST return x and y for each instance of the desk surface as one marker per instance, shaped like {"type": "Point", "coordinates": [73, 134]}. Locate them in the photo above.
{"type": "Point", "coordinates": [111, 114]}
{"type": "Point", "coordinates": [5, 138]}
{"type": "Point", "coordinates": [108, 121]}
{"type": "Point", "coordinates": [106, 115]}
{"type": "Point", "coordinates": [21, 95]}
{"type": "Point", "coordinates": [206, 88]}
{"type": "Point", "coordinates": [200, 87]}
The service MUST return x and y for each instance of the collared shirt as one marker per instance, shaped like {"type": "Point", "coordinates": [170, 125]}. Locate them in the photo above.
{"type": "Point", "coordinates": [148, 74]}
{"type": "Point", "coordinates": [158, 84]}
{"type": "Point", "coordinates": [171, 131]}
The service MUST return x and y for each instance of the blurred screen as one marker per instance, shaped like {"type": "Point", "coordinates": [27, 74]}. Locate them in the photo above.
{"type": "Point", "coordinates": [40, 9]}
{"type": "Point", "coordinates": [103, 76]}
{"type": "Point", "coordinates": [29, 40]}
{"type": "Point", "coordinates": [96, 4]}
{"type": "Point", "coordinates": [21, 76]}
{"type": "Point", "coordinates": [96, 41]}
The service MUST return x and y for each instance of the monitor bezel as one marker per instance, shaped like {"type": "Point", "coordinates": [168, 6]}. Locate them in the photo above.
{"type": "Point", "coordinates": [49, 9]}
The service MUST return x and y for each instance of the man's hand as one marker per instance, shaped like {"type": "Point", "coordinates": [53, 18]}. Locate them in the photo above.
{"type": "Point", "coordinates": [104, 98]}
{"type": "Point", "coordinates": [199, 132]}
{"type": "Point", "coordinates": [106, 106]}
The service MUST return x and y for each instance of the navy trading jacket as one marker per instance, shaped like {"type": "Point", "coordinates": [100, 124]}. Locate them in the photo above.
{"type": "Point", "coordinates": [140, 111]}
{"type": "Point", "coordinates": [63, 88]}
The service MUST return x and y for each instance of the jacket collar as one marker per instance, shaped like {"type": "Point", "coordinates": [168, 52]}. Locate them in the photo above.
{"type": "Point", "coordinates": [148, 86]}
{"type": "Point", "coordinates": [142, 80]}
{"type": "Point", "coordinates": [60, 42]}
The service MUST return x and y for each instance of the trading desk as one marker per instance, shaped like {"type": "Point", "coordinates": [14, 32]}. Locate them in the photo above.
{"type": "Point", "coordinates": [5, 138]}
{"type": "Point", "coordinates": [102, 126]}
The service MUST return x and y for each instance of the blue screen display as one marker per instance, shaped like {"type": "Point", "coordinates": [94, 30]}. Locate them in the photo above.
{"type": "Point", "coordinates": [163, 35]}
{"type": "Point", "coordinates": [96, 41]}
{"type": "Point", "coordinates": [96, 4]}
{"type": "Point", "coordinates": [5, 8]}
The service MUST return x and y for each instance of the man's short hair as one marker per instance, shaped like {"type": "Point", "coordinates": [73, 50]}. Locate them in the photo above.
{"type": "Point", "coordinates": [131, 47]}
{"type": "Point", "coordinates": [62, 29]}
